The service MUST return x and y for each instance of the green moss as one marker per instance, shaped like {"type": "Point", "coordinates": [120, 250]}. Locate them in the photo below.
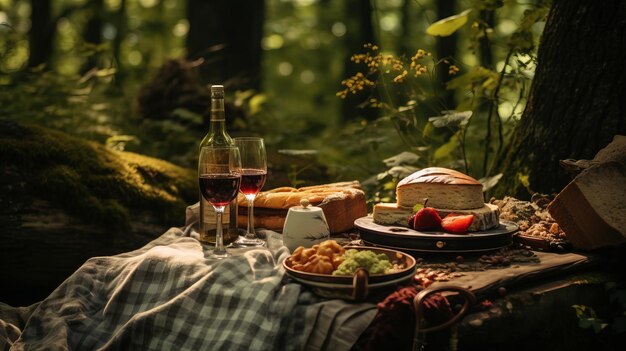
{"type": "Point", "coordinates": [92, 182]}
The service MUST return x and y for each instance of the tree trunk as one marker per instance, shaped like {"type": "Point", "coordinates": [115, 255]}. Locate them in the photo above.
{"type": "Point", "coordinates": [484, 46]}
{"type": "Point", "coordinates": [227, 34]}
{"type": "Point", "coordinates": [360, 31]}
{"type": "Point", "coordinates": [120, 26]}
{"type": "Point", "coordinates": [577, 101]}
{"type": "Point", "coordinates": [93, 30]}
{"type": "Point", "coordinates": [41, 32]}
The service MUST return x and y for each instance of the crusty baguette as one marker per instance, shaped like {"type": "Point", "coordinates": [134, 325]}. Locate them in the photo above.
{"type": "Point", "coordinates": [444, 188]}
{"type": "Point", "coordinates": [286, 197]}
{"type": "Point", "coordinates": [342, 203]}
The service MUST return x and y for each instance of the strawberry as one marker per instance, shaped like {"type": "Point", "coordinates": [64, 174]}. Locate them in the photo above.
{"type": "Point", "coordinates": [457, 223]}
{"type": "Point", "coordinates": [425, 219]}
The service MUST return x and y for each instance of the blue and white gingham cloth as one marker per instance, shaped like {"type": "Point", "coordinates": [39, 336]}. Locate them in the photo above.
{"type": "Point", "coordinates": [168, 296]}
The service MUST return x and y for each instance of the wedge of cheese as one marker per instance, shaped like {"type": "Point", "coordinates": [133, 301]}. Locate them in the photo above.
{"type": "Point", "coordinates": [485, 218]}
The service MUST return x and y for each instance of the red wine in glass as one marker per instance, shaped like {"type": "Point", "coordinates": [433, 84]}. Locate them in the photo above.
{"type": "Point", "coordinates": [252, 180]}
{"type": "Point", "coordinates": [219, 189]}
{"type": "Point", "coordinates": [254, 174]}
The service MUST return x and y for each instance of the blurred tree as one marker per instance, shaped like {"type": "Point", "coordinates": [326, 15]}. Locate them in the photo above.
{"type": "Point", "coordinates": [227, 34]}
{"type": "Point", "coordinates": [487, 22]}
{"type": "Point", "coordinates": [41, 32]}
{"type": "Point", "coordinates": [93, 30]}
{"type": "Point", "coordinates": [446, 48]}
{"type": "Point", "coordinates": [359, 31]}
{"type": "Point", "coordinates": [576, 102]}
{"type": "Point", "coordinates": [120, 27]}
{"type": "Point", "coordinates": [486, 25]}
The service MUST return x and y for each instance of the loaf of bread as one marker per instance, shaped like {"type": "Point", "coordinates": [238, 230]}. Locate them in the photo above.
{"type": "Point", "coordinates": [486, 217]}
{"type": "Point", "coordinates": [444, 188]}
{"type": "Point", "coordinates": [341, 202]}
{"type": "Point", "coordinates": [591, 209]}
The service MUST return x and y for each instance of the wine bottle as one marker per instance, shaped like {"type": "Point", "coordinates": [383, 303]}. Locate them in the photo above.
{"type": "Point", "coordinates": [217, 136]}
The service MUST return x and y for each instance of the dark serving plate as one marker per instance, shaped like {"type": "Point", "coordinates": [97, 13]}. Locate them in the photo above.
{"type": "Point", "coordinates": [360, 285]}
{"type": "Point", "coordinates": [405, 239]}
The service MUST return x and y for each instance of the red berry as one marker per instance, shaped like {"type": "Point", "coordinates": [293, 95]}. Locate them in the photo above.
{"type": "Point", "coordinates": [426, 219]}
{"type": "Point", "coordinates": [457, 223]}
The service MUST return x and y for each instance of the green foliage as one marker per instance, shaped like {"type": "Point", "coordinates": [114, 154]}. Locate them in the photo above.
{"type": "Point", "coordinates": [76, 104]}
{"type": "Point", "coordinates": [405, 87]}
{"type": "Point", "coordinates": [587, 318]}
{"type": "Point", "coordinates": [89, 89]}
{"type": "Point", "coordinates": [615, 322]}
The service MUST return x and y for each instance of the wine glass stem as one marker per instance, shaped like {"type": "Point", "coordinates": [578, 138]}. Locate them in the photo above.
{"type": "Point", "coordinates": [219, 235]}
{"type": "Point", "coordinates": [250, 233]}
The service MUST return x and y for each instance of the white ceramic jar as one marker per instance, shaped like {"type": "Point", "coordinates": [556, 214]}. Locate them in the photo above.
{"type": "Point", "coordinates": [305, 226]}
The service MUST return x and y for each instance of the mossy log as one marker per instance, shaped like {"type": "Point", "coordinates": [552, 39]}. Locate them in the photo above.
{"type": "Point", "coordinates": [65, 199]}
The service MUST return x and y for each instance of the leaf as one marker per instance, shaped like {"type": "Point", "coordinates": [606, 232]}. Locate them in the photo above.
{"type": "Point", "coordinates": [417, 207]}
{"type": "Point", "coordinates": [451, 119]}
{"type": "Point", "coordinates": [389, 186]}
{"type": "Point", "coordinates": [584, 323]}
{"type": "Point", "coordinates": [490, 182]}
{"type": "Point", "coordinates": [598, 325]}
{"type": "Point", "coordinates": [105, 72]}
{"type": "Point", "coordinates": [447, 148]}
{"type": "Point", "coordinates": [256, 103]}
{"type": "Point", "coordinates": [524, 179]}
{"type": "Point", "coordinates": [118, 142]}
{"type": "Point", "coordinates": [428, 128]}
{"type": "Point", "coordinates": [474, 76]}
{"type": "Point", "coordinates": [242, 96]}
{"type": "Point", "coordinates": [401, 171]}
{"type": "Point", "coordinates": [402, 158]}
{"type": "Point", "coordinates": [446, 26]}
{"type": "Point", "coordinates": [532, 16]}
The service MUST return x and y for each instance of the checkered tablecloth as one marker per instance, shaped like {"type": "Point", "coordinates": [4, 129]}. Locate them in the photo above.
{"type": "Point", "coordinates": [169, 296]}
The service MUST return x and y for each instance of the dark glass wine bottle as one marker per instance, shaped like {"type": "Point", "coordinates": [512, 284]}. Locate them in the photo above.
{"type": "Point", "coordinates": [217, 136]}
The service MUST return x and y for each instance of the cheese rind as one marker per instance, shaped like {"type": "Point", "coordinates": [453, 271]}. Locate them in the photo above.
{"type": "Point", "coordinates": [486, 217]}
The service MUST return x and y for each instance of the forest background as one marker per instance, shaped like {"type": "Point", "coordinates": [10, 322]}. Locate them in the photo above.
{"type": "Point", "coordinates": [341, 90]}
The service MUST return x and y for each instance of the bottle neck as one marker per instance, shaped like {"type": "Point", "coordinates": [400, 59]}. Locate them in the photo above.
{"type": "Point", "coordinates": [217, 128]}
{"type": "Point", "coordinates": [218, 117]}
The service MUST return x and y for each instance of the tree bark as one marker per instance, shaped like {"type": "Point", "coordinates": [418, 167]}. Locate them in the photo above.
{"type": "Point", "coordinates": [41, 32]}
{"type": "Point", "coordinates": [577, 101]}
{"type": "Point", "coordinates": [227, 34]}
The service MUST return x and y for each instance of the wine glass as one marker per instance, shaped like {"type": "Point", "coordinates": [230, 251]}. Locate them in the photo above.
{"type": "Point", "coordinates": [219, 176]}
{"type": "Point", "coordinates": [253, 175]}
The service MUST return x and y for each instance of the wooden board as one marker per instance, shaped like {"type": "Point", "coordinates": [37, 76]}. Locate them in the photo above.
{"type": "Point", "coordinates": [550, 264]}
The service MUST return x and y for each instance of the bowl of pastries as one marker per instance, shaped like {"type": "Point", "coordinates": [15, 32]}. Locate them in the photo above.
{"type": "Point", "coordinates": [349, 272]}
